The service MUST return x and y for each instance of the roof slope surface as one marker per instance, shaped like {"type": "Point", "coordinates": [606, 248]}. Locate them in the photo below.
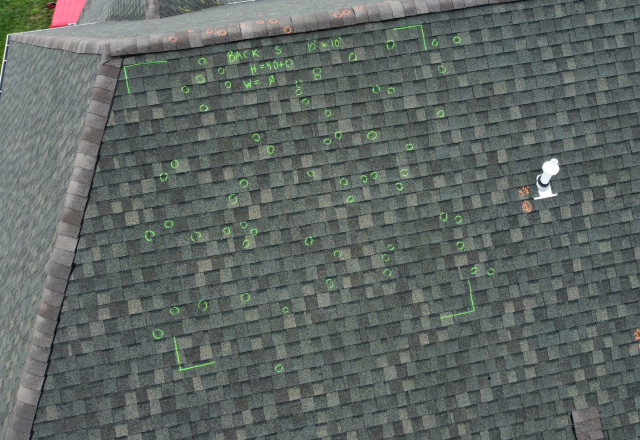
{"type": "Point", "coordinates": [41, 114]}
{"type": "Point", "coordinates": [280, 231]}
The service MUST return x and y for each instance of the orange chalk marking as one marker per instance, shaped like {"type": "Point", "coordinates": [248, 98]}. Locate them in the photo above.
{"type": "Point", "coordinates": [287, 29]}
{"type": "Point", "coordinates": [527, 206]}
{"type": "Point", "coordinates": [173, 39]}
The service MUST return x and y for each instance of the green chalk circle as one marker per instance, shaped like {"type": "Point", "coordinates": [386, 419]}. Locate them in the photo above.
{"type": "Point", "coordinates": [174, 311]}
{"type": "Point", "coordinates": [388, 272]}
{"type": "Point", "coordinates": [243, 183]}
{"type": "Point", "coordinates": [317, 73]}
{"type": "Point", "coordinates": [330, 284]}
{"type": "Point", "coordinates": [327, 141]}
{"type": "Point", "coordinates": [460, 245]}
{"type": "Point", "coordinates": [226, 230]}
{"type": "Point", "coordinates": [203, 305]}
{"type": "Point", "coordinates": [246, 243]}
{"type": "Point", "coordinates": [233, 198]}
{"type": "Point", "coordinates": [375, 89]}
{"type": "Point", "coordinates": [305, 101]}
{"type": "Point", "coordinates": [391, 247]}
{"type": "Point", "coordinates": [344, 181]}
{"type": "Point", "coordinates": [270, 149]}
{"type": "Point", "coordinates": [328, 113]}
{"type": "Point", "coordinates": [337, 253]}
{"type": "Point", "coordinates": [372, 135]}
{"type": "Point", "coordinates": [164, 177]}
{"type": "Point", "coordinates": [353, 57]}
{"type": "Point", "coordinates": [434, 42]}
{"type": "Point", "coordinates": [385, 257]}
{"type": "Point", "coordinates": [253, 231]}
{"type": "Point", "coordinates": [278, 368]}
{"type": "Point", "coordinates": [391, 44]}
{"type": "Point", "coordinates": [299, 92]}
{"type": "Point", "coordinates": [202, 61]}
{"type": "Point", "coordinates": [409, 147]}
{"type": "Point", "coordinates": [391, 90]}
{"type": "Point", "coordinates": [175, 164]}
{"type": "Point", "coordinates": [474, 270]}
{"type": "Point", "coordinates": [308, 241]}
{"type": "Point", "coordinates": [244, 224]}
{"type": "Point", "coordinates": [374, 175]}
{"type": "Point", "coordinates": [364, 178]}
{"type": "Point", "coordinates": [311, 173]}
{"type": "Point", "coordinates": [399, 186]}
{"type": "Point", "coordinates": [245, 297]}
{"type": "Point", "coordinates": [457, 40]}
{"type": "Point", "coordinates": [200, 79]}
{"type": "Point", "coordinates": [185, 89]}
{"type": "Point", "coordinates": [440, 113]}
{"type": "Point", "coordinates": [442, 69]}
{"type": "Point", "coordinates": [350, 199]}
{"type": "Point", "coordinates": [444, 216]}
{"type": "Point", "coordinates": [221, 70]}
{"type": "Point", "coordinates": [256, 137]}
{"type": "Point", "coordinates": [204, 108]}
{"type": "Point", "coordinates": [198, 234]}
{"type": "Point", "coordinates": [404, 172]}
{"type": "Point", "coordinates": [337, 135]}
{"type": "Point", "coordinates": [227, 84]}
{"type": "Point", "coordinates": [148, 235]}
{"type": "Point", "coordinates": [285, 310]}
{"type": "Point", "coordinates": [168, 224]}
{"type": "Point", "coordinates": [157, 333]}
{"type": "Point", "coordinates": [458, 219]}
{"type": "Point", "coordinates": [491, 271]}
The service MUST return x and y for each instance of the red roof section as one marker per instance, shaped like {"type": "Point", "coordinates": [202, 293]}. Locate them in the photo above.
{"type": "Point", "coordinates": [67, 12]}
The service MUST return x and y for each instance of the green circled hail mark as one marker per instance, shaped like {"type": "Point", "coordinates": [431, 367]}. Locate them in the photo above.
{"type": "Point", "coordinates": [435, 42]}
{"type": "Point", "coordinates": [278, 368]}
{"type": "Point", "coordinates": [372, 135]}
{"type": "Point", "coordinates": [473, 307]}
{"type": "Point", "coordinates": [202, 61]}
{"type": "Point", "coordinates": [385, 257]}
{"type": "Point", "coordinates": [197, 234]}
{"type": "Point", "coordinates": [168, 224]}
{"type": "Point", "coordinates": [256, 137]}
{"type": "Point", "coordinates": [148, 235]}
{"type": "Point", "coordinates": [164, 177]}
{"type": "Point", "coordinates": [285, 310]}
{"type": "Point", "coordinates": [243, 183]}
{"type": "Point", "coordinates": [404, 172]}
{"type": "Point", "coordinates": [185, 90]}
{"type": "Point", "coordinates": [388, 272]}
{"type": "Point", "coordinates": [350, 199]}
{"type": "Point", "coordinates": [245, 297]}
{"type": "Point", "coordinates": [391, 44]}
{"type": "Point", "coordinates": [157, 333]}
{"type": "Point", "coordinates": [270, 149]}
{"type": "Point", "coordinates": [203, 108]}
{"type": "Point", "coordinates": [409, 147]}
{"type": "Point", "coordinates": [311, 173]}
{"type": "Point", "coordinates": [253, 231]}
{"type": "Point", "coordinates": [458, 219]}
{"type": "Point", "coordinates": [353, 57]}
{"type": "Point", "coordinates": [180, 367]}
{"type": "Point", "coordinates": [375, 89]}
{"type": "Point", "coordinates": [344, 181]}
{"type": "Point", "coordinates": [244, 224]}
{"type": "Point", "coordinates": [203, 305]}
{"type": "Point", "coordinates": [200, 79]}
{"type": "Point", "coordinates": [399, 186]}
{"type": "Point", "coordinates": [491, 271]}
{"type": "Point", "coordinates": [474, 270]}
{"type": "Point", "coordinates": [391, 247]}
{"type": "Point", "coordinates": [308, 241]}
{"type": "Point", "coordinates": [442, 69]}
{"type": "Point", "coordinates": [174, 311]}
{"type": "Point", "coordinates": [328, 113]}
{"type": "Point", "coordinates": [424, 40]}
{"type": "Point", "coordinates": [460, 245]}
{"type": "Point", "coordinates": [226, 230]}
{"type": "Point", "coordinates": [175, 164]}
{"type": "Point", "coordinates": [444, 217]}
{"type": "Point", "coordinates": [126, 77]}
{"type": "Point", "coordinates": [440, 113]}
{"type": "Point", "coordinates": [457, 40]}
{"type": "Point", "coordinates": [330, 284]}
{"type": "Point", "coordinates": [233, 198]}
{"type": "Point", "coordinates": [337, 253]}
{"type": "Point", "coordinates": [246, 244]}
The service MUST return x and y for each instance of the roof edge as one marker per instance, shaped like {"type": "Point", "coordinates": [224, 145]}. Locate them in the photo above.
{"type": "Point", "coordinates": [152, 10]}
{"type": "Point", "coordinates": [375, 12]}
{"type": "Point", "coordinates": [59, 267]}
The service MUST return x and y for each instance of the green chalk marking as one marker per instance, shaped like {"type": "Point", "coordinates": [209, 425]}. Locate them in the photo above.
{"type": "Point", "coordinates": [457, 40]}
{"type": "Point", "coordinates": [157, 333]}
{"type": "Point", "coordinates": [458, 219]}
{"type": "Point", "coordinates": [174, 164]}
{"type": "Point", "coordinates": [148, 235]}
{"type": "Point", "coordinates": [174, 311]}
{"type": "Point", "coordinates": [491, 271]}
{"type": "Point", "coordinates": [180, 367]}
{"type": "Point", "coordinates": [203, 305]}
{"type": "Point", "coordinates": [285, 310]}
{"type": "Point", "coordinates": [126, 77]}
{"type": "Point", "coordinates": [474, 270]}
{"type": "Point", "coordinates": [226, 230]}
{"type": "Point", "coordinates": [278, 368]}
{"type": "Point", "coordinates": [243, 183]}
{"type": "Point", "coordinates": [399, 186]}
{"type": "Point", "coordinates": [388, 272]}
{"type": "Point", "coordinates": [168, 224]}
{"type": "Point", "coordinates": [424, 40]}
{"type": "Point", "coordinates": [460, 245]}
{"type": "Point", "coordinates": [244, 224]}
{"type": "Point", "coordinates": [330, 284]}
{"type": "Point", "coordinates": [473, 307]}
{"type": "Point", "coordinates": [308, 241]}
{"type": "Point", "coordinates": [337, 253]}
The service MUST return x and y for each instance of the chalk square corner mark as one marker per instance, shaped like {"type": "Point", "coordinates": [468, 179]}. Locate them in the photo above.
{"type": "Point", "coordinates": [180, 367]}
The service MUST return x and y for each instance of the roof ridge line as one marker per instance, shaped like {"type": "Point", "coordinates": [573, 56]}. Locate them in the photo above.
{"type": "Point", "coordinates": [60, 264]}
{"type": "Point", "coordinates": [300, 23]}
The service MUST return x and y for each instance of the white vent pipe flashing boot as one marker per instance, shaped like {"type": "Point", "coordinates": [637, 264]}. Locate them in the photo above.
{"type": "Point", "coordinates": [543, 181]}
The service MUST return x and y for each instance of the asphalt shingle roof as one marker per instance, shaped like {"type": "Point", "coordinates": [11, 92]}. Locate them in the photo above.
{"type": "Point", "coordinates": [39, 128]}
{"type": "Point", "coordinates": [279, 230]}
